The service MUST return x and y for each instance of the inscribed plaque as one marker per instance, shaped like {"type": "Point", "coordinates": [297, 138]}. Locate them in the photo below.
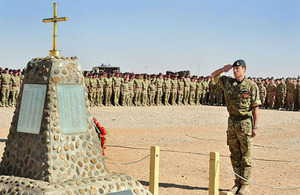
{"type": "Point", "coordinates": [31, 111]}
{"type": "Point", "coordinates": [72, 111]}
{"type": "Point", "coordinates": [127, 192]}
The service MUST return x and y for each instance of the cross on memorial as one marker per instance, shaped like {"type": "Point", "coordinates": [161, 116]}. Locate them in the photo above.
{"type": "Point", "coordinates": [54, 52]}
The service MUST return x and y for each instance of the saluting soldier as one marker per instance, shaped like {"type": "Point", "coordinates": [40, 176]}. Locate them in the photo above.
{"type": "Point", "coordinates": [242, 100]}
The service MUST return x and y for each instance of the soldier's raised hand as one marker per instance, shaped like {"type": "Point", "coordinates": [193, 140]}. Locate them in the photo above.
{"type": "Point", "coordinates": [227, 67]}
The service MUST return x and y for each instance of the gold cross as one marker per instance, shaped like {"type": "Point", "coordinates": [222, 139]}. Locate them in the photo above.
{"type": "Point", "coordinates": [54, 52]}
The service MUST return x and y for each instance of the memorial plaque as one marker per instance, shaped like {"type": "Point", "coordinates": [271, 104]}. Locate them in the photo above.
{"type": "Point", "coordinates": [32, 105]}
{"type": "Point", "coordinates": [72, 110]}
{"type": "Point", "coordinates": [127, 192]}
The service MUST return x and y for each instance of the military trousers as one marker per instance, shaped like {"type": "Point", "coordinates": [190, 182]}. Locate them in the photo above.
{"type": "Point", "coordinates": [192, 98]}
{"type": "Point", "coordinates": [167, 97]}
{"type": "Point", "coordinates": [198, 97]}
{"type": "Point", "coordinates": [116, 95]}
{"type": "Point", "coordinates": [5, 94]}
{"type": "Point", "coordinates": [108, 93]}
{"type": "Point", "coordinates": [173, 96]}
{"type": "Point", "coordinates": [186, 95]}
{"type": "Point", "coordinates": [144, 98]}
{"type": "Point", "coordinates": [180, 97]}
{"type": "Point", "coordinates": [137, 97]}
{"type": "Point", "coordinates": [159, 96]}
{"type": "Point", "coordinates": [15, 93]}
{"type": "Point", "coordinates": [100, 97]}
{"type": "Point", "coordinates": [240, 141]}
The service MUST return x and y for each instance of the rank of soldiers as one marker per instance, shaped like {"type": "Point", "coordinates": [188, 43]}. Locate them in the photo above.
{"type": "Point", "coordinates": [128, 89]}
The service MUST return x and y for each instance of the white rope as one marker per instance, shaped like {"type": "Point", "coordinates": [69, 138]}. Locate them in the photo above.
{"type": "Point", "coordinates": [254, 183]}
{"type": "Point", "coordinates": [128, 162]}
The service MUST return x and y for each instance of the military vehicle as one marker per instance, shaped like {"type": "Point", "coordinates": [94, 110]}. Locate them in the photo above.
{"type": "Point", "coordinates": [106, 68]}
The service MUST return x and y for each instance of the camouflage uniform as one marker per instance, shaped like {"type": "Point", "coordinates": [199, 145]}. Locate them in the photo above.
{"type": "Point", "coordinates": [130, 91]}
{"type": "Point", "coordinates": [290, 95]}
{"type": "Point", "coordinates": [219, 94]}
{"type": "Point", "coordinates": [5, 88]}
{"type": "Point", "coordinates": [193, 87]}
{"type": "Point", "coordinates": [138, 91]}
{"type": "Point", "coordinates": [167, 90]}
{"type": "Point", "coordinates": [16, 83]}
{"type": "Point", "coordinates": [240, 98]}
{"type": "Point", "coordinates": [116, 89]}
{"type": "Point", "coordinates": [281, 93]}
{"type": "Point", "coordinates": [186, 93]}
{"type": "Point", "coordinates": [174, 87]}
{"type": "Point", "coordinates": [262, 93]}
{"type": "Point", "coordinates": [108, 91]}
{"type": "Point", "coordinates": [100, 88]}
{"type": "Point", "coordinates": [93, 91]}
{"type": "Point", "coordinates": [205, 93]}
{"type": "Point", "coordinates": [159, 84]}
{"type": "Point", "coordinates": [125, 100]}
{"type": "Point", "coordinates": [199, 91]}
{"type": "Point", "coordinates": [297, 99]}
{"type": "Point", "coordinates": [145, 86]}
{"type": "Point", "coordinates": [212, 92]}
{"type": "Point", "coordinates": [180, 91]}
{"type": "Point", "coordinates": [271, 89]}
{"type": "Point", "coordinates": [152, 91]}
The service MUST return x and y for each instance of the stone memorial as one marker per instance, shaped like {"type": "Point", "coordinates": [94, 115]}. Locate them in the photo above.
{"type": "Point", "coordinates": [52, 146]}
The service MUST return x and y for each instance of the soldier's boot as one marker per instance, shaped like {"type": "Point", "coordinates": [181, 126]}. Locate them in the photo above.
{"type": "Point", "coordinates": [245, 190]}
{"type": "Point", "coordinates": [235, 189]}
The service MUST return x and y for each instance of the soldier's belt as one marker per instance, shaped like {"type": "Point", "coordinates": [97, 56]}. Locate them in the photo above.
{"type": "Point", "coordinates": [239, 117]}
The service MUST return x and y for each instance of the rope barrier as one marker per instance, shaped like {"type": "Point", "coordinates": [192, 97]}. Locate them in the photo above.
{"type": "Point", "coordinates": [129, 163]}
{"type": "Point", "coordinates": [257, 184]}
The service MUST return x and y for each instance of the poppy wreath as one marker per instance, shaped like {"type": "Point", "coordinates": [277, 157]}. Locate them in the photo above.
{"type": "Point", "coordinates": [101, 134]}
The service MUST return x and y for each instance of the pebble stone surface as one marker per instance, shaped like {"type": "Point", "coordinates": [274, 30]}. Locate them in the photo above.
{"type": "Point", "coordinates": [52, 162]}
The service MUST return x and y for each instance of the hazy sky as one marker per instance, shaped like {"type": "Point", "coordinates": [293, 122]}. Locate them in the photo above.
{"type": "Point", "coordinates": [157, 35]}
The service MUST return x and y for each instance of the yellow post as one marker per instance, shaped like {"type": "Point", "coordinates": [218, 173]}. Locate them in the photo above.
{"type": "Point", "coordinates": [154, 170]}
{"type": "Point", "coordinates": [214, 165]}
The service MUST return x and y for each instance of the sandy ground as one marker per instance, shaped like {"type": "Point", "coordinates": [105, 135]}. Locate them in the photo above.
{"type": "Point", "coordinates": [186, 135]}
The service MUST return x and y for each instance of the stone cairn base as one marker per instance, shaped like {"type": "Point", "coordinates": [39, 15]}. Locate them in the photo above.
{"type": "Point", "coordinates": [94, 185]}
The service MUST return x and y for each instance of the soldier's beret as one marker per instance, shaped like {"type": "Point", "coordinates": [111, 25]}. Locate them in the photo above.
{"type": "Point", "coordinates": [0, 69]}
{"type": "Point", "coordinates": [6, 69]}
{"type": "Point", "coordinates": [239, 63]}
{"type": "Point", "coordinates": [15, 71]}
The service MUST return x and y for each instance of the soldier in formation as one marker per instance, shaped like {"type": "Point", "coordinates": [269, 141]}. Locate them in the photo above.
{"type": "Point", "coordinates": [10, 85]}
{"type": "Point", "coordinates": [131, 89]}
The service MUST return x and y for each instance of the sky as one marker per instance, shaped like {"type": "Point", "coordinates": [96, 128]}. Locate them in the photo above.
{"type": "Point", "coordinates": [152, 36]}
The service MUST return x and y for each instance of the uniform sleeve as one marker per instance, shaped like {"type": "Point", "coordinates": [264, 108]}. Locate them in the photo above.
{"type": "Point", "coordinates": [221, 80]}
{"type": "Point", "coordinates": [255, 101]}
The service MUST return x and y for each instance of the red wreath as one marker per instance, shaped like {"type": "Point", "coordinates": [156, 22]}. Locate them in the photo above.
{"type": "Point", "coordinates": [101, 134]}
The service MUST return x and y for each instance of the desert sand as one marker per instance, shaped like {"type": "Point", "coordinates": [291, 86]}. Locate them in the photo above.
{"type": "Point", "coordinates": [186, 135]}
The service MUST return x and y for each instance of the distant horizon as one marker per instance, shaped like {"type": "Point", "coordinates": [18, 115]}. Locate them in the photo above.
{"type": "Point", "coordinates": [158, 36]}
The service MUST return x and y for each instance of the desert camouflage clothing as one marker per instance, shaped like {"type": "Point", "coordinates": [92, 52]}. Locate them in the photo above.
{"type": "Point", "coordinates": [240, 98]}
